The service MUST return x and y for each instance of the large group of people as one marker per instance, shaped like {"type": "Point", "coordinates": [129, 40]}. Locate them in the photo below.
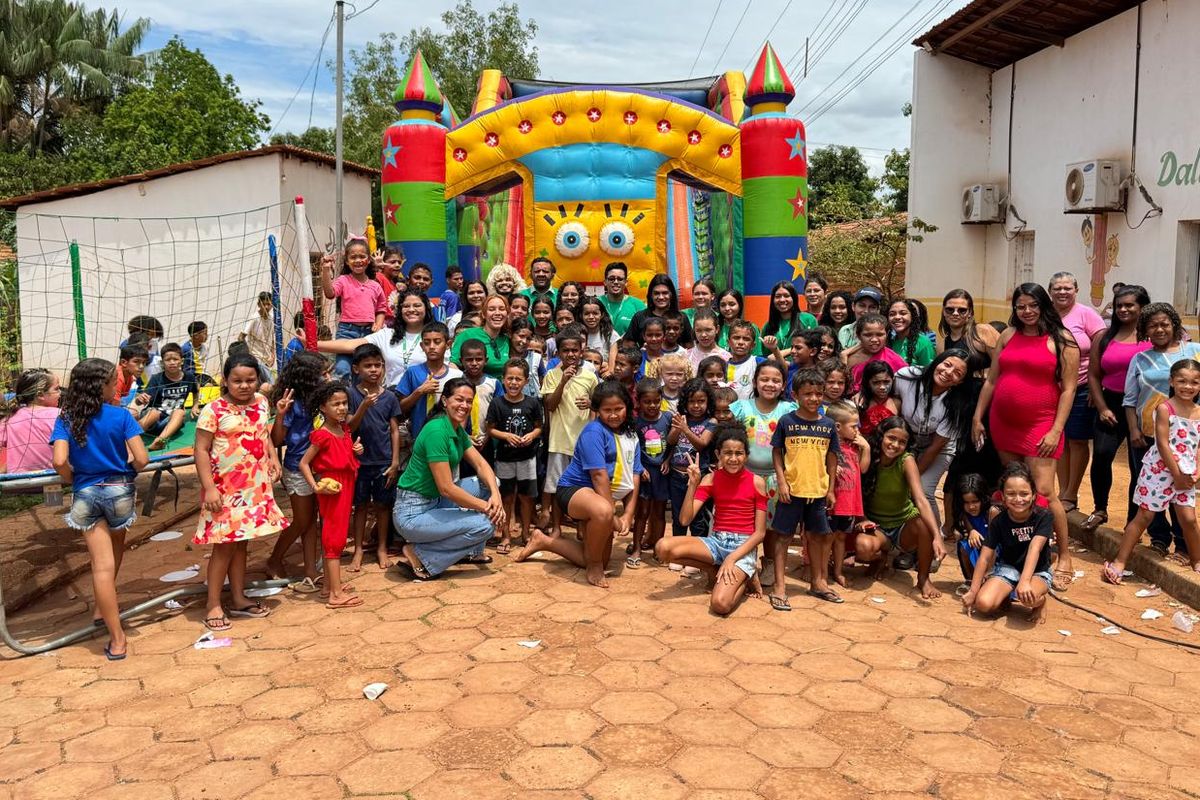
{"type": "Point", "coordinates": [504, 414]}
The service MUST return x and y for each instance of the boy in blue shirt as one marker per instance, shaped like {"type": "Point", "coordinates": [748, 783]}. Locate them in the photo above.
{"type": "Point", "coordinates": [376, 423]}
{"type": "Point", "coordinates": [420, 387]}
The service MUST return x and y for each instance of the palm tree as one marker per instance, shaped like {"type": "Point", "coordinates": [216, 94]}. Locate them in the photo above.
{"type": "Point", "coordinates": [57, 57]}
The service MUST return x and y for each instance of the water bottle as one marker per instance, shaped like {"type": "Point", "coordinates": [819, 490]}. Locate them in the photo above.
{"type": "Point", "coordinates": [52, 495]}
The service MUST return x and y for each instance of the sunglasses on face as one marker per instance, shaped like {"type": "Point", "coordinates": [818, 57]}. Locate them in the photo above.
{"type": "Point", "coordinates": [956, 312]}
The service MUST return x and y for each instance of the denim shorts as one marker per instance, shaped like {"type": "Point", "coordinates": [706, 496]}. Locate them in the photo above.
{"type": "Point", "coordinates": [294, 483]}
{"type": "Point", "coordinates": [720, 544]}
{"type": "Point", "coordinates": [1012, 575]}
{"type": "Point", "coordinates": [112, 501]}
{"type": "Point", "coordinates": [1081, 422]}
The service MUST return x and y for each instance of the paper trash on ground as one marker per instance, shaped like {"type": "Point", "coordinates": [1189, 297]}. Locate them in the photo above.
{"type": "Point", "coordinates": [372, 690]}
{"type": "Point", "coordinates": [1060, 630]}
{"type": "Point", "coordinates": [267, 591]}
{"type": "Point", "coordinates": [1151, 613]}
{"type": "Point", "coordinates": [1152, 591]}
{"type": "Point", "coordinates": [209, 642]}
{"type": "Point", "coordinates": [530, 643]}
{"type": "Point", "coordinates": [165, 536]}
{"type": "Point", "coordinates": [181, 574]}
{"type": "Point", "coordinates": [1111, 630]}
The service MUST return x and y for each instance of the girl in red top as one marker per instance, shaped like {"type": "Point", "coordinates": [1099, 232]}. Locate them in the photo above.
{"type": "Point", "coordinates": [730, 554]}
{"type": "Point", "coordinates": [875, 401]}
{"type": "Point", "coordinates": [335, 456]}
{"type": "Point", "coordinates": [854, 458]}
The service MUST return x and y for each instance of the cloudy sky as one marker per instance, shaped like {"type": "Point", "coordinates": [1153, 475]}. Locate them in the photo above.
{"type": "Point", "coordinates": [859, 53]}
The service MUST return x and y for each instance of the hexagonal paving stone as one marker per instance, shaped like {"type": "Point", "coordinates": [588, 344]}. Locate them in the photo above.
{"type": "Point", "coordinates": [464, 616]}
{"type": "Point", "coordinates": [758, 651]}
{"type": "Point", "coordinates": [558, 726]}
{"type": "Point", "coordinates": [564, 691]}
{"type": "Point", "coordinates": [874, 774]}
{"type": "Point", "coordinates": [486, 711]}
{"type": "Point", "coordinates": [253, 739]}
{"type": "Point", "coordinates": [623, 674]}
{"type": "Point", "coordinates": [788, 784]}
{"type": "Point", "coordinates": [19, 761]}
{"type": "Point", "coordinates": [448, 641]}
{"type": "Point", "coordinates": [392, 772]}
{"type": "Point", "coordinates": [859, 732]}
{"type": "Point", "coordinates": [107, 744]}
{"type": "Point", "coordinates": [845, 696]}
{"type": "Point", "coordinates": [1119, 763]}
{"type": "Point", "coordinates": [1170, 747]}
{"type": "Point", "coordinates": [699, 725]}
{"type": "Point", "coordinates": [794, 748]}
{"type": "Point", "coordinates": [481, 748]}
{"type": "Point", "coordinates": [198, 724]}
{"type": "Point", "coordinates": [553, 768]}
{"type": "Point", "coordinates": [164, 762]}
{"type": "Point", "coordinates": [633, 648]}
{"type": "Point", "coordinates": [621, 783]}
{"type": "Point", "coordinates": [699, 662]}
{"type": "Point", "coordinates": [456, 784]}
{"type": "Point", "coordinates": [317, 754]}
{"type": "Point", "coordinates": [1078, 723]}
{"type": "Point", "coordinates": [499, 650]}
{"type": "Point", "coordinates": [66, 780]}
{"type": "Point", "coordinates": [878, 654]}
{"type": "Point", "coordinates": [904, 683]}
{"type": "Point", "coordinates": [520, 603]}
{"type": "Point", "coordinates": [830, 667]}
{"type": "Point", "coordinates": [407, 609]}
{"type": "Point", "coordinates": [495, 677]}
{"type": "Point", "coordinates": [430, 666]}
{"type": "Point", "coordinates": [647, 745]}
{"type": "Point", "coordinates": [60, 727]}
{"type": "Point", "coordinates": [927, 715]}
{"type": "Point", "coordinates": [985, 702]}
{"type": "Point", "coordinates": [410, 730]}
{"type": "Point", "coordinates": [420, 695]}
{"type": "Point", "coordinates": [955, 753]}
{"type": "Point", "coordinates": [718, 768]}
{"type": "Point", "coordinates": [223, 780]}
{"type": "Point", "coordinates": [467, 595]}
{"type": "Point", "coordinates": [282, 703]}
{"type": "Point", "coordinates": [634, 708]}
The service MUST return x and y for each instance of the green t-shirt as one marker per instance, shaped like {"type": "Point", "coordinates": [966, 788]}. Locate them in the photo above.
{"type": "Point", "coordinates": [497, 350]}
{"type": "Point", "coordinates": [438, 442]}
{"type": "Point", "coordinates": [531, 292]}
{"type": "Point", "coordinates": [921, 354]}
{"type": "Point", "coordinates": [622, 312]}
{"type": "Point", "coordinates": [784, 335]}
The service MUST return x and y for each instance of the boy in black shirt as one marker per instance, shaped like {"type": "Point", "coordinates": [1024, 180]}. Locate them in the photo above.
{"type": "Point", "coordinates": [168, 392]}
{"type": "Point", "coordinates": [1015, 557]}
{"type": "Point", "coordinates": [515, 421]}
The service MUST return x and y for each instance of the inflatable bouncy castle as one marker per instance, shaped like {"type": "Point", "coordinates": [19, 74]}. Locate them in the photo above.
{"type": "Point", "coordinates": [704, 178]}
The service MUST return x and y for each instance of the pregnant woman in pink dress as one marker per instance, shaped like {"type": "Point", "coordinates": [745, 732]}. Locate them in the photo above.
{"type": "Point", "coordinates": [1029, 401]}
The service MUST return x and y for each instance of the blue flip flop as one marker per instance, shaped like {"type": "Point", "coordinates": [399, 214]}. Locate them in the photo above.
{"type": "Point", "coordinates": [111, 656]}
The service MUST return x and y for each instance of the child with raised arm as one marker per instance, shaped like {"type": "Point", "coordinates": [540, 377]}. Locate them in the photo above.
{"type": "Point", "coordinates": [98, 450]}
{"type": "Point", "coordinates": [515, 422]}
{"type": "Point", "coordinates": [605, 469]}
{"type": "Point", "coordinates": [334, 455]}
{"type": "Point", "coordinates": [364, 305]}
{"type": "Point", "coordinates": [806, 464]}
{"type": "Point", "coordinates": [730, 555]}
{"type": "Point", "coordinates": [379, 465]}
{"type": "Point", "coordinates": [1169, 470]}
{"type": "Point", "coordinates": [236, 464]}
{"type": "Point", "coordinates": [566, 393]}
{"type": "Point", "coordinates": [1015, 560]}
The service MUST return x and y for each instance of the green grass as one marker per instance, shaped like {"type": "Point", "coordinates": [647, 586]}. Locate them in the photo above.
{"type": "Point", "coordinates": [16, 503]}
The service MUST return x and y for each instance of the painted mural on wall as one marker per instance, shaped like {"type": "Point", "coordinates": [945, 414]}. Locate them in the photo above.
{"type": "Point", "coordinates": [1101, 251]}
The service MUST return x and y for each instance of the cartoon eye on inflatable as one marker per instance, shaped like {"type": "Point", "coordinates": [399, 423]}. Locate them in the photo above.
{"type": "Point", "coordinates": [616, 238]}
{"type": "Point", "coordinates": [572, 239]}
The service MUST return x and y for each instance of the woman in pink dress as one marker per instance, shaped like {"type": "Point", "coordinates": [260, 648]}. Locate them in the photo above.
{"type": "Point", "coordinates": [1027, 395]}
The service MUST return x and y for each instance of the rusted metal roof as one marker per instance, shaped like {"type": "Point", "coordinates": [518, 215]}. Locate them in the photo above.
{"type": "Point", "coordinates": [78, 189]}
{"type": "Point", "coordinates": [996, 33]}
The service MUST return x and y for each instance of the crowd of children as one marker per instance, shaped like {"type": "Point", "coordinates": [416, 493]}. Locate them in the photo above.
{"type": "Point", "coordinates": [810, 432]}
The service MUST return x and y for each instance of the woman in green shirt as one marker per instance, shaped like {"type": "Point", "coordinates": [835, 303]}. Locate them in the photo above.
{"type": "Point", "coordinates": [905, 336]}
{"type": "Point", "coordinates": [730, 308]}
{"type": "Point", "coordinates": [446, 521]}
{"type": "Point", "coordinates": [784, 319]}
{"type": "Point", "coordinates": [704, 295]}
{"type": "Point", "coordinates": [494, 334]}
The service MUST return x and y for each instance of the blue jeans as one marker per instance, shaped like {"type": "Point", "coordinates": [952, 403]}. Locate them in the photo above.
{"type": "Point", "coordinates": [442, 532]}
{"type": "Point", "coordinates": [111, 501]}
{"type": "Point", "coordinates": [348, 330]}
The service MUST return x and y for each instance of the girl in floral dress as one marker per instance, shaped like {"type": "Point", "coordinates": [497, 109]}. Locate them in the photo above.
{"type": "Point", "coordinates": [237, 464]}
{"type": "Point", "coordinates": [1169, 471]}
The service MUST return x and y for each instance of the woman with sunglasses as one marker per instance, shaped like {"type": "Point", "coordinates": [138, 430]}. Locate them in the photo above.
{"type": "Point", "coordinates": [957, 330]}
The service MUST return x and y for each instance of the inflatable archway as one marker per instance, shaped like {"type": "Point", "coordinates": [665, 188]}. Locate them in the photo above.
{"type": "Point", "coordinates": [700, 178]}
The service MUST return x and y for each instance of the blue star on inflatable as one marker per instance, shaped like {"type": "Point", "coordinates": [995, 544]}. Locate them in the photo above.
{"type": "Point", "coordinates": [797, 142]}
{"type": "Point", "coordinates": [389, 153]}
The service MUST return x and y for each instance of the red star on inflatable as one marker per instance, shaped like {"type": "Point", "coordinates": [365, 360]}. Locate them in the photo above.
{"type": "Point", "coordinates": [389, 211]}
{"type": "Point", "coordinates": [558, 117]}
{"type": "Point", "coordinates": [525, 126]}
{"type": "Point", "coordinates": [725, 151]}
{"type": "Point", "coordinates": [491, 139]}
{"type": "Point", "coordinates": [664, 126]}
{"type": "Point", "coordinates": [694, 137]}
{"type": "Point", "coordinates": [797, 203]}
{"type": "Point", "coordinates": [593, 114]}
{"type": "Point", "coordinates": [630, 118]}
{"type": "Point", "coordinates": [460, 154]}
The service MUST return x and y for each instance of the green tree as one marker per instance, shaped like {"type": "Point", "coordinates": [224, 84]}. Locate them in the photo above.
{"type": "Point", "coordinates": [184, 110]}
{"type": "Point", "coordinates": [319, 140]}
{"type": "Point", "coordinates": [57, 58]}
{"type": "Point", "coordinates": [840, 172]}
{"type": "Point", "coordinates": [372, 76]}
{"type": "Point", "coordinates": [866, 251]}
{"type": "Point", "coordinates": [895, 179]}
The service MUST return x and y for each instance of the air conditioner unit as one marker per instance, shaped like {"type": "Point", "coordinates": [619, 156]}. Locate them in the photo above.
{"type": "Point", "coordinates": [1093, 186]}
{"type": "Point", "coordinates": [981, 204]}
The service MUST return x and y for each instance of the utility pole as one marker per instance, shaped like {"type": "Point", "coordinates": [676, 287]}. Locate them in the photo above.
{"type": "Point", "coordinates": [805, 56]}
{"type": "Point", "coordinates": [341, 220]}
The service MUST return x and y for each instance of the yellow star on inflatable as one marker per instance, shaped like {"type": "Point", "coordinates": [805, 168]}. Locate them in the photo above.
{"type": "Point", "coordinates": [799, 265]}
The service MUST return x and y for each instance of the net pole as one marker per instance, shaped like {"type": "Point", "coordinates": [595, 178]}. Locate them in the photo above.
{"type": "Point", "coordinates": [276, 299]}
{"type": "Point", "coordinates": [306, 284]}
{"type": "Point", "coordinates": [77, 298]}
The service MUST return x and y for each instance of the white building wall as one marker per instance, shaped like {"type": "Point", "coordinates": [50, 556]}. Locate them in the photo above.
{"type": "Point", "coordinates": [1068, 104]}
{"type": "Point", "coordinates": [185, 247]}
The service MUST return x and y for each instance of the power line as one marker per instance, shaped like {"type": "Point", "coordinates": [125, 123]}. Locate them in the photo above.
{"type": "Point", "coordinates": [816, 29]}
{"type": "Point", "coordinates": [828, 44]}
{"type": "Point", "coordinates": [767, 38]}
{"type": "Point", "coordinates": [728, 41]}
{"type": "Point", "coordinates": [357, 13]}
{"type": "Point", "coordinates": [304, 80]}
{"type": "Point", "coordinates": [704, 41]}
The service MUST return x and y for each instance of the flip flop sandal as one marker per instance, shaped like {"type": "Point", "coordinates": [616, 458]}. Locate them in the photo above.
{"type": "Point", "coordinates": [304, 586]}
{"type": "Point", "coordinates": [1094, 520]}
{"type": "Point", "coordinates": [217, 624]}
{"type": "Point", "coordinates": [633, 562]}
{"type": "Point", "coordinates": [779, 602]}
{"type": "Point", "coordinates": [111, 656]}
{"type": "Point", "coordinates": [829, 596]}
{"type": "Point", "coordinates": [504, 549]}
{"type": "Point", "coordinates": [415, 573]}
{"type": "Point", "coordinates": [1063, 578]}
{"type": "Point", "coordinates": [1111, 574]}
{"type": "Point", "coordinates": [255, 611]}
{"type": "Point", "coordinates": [480, 559]}
{"type": "Point", "coordinates": [351, 601]}
{"type": "Point", "coordinates": [629, 549]}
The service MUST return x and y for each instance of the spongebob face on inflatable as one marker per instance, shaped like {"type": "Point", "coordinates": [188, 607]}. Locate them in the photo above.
{"type": "Point", "coordinates": [582, 237]}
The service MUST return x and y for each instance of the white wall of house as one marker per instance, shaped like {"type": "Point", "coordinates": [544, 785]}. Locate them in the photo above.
{"type": "Point", "coordinates": [1062, 105]}
{"type": "Point", "coordinates": [184, 247]}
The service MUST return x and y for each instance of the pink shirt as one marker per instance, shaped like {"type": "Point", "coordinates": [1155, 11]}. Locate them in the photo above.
{"type": "Point", "coordinates": [25, 438]}
{"type": "Point", "coordinates": [1114, 364]}
{"type": "Point", "coordinates": [696, 355]}
{"type": "Point", "coordinates": [847, 491]}
{"type": "Point", "coordinates": [1083, 322]}
{"type": "Point", "coordinates": [886, 354]}
{"type": "Point", "coordinates": [361, 300]}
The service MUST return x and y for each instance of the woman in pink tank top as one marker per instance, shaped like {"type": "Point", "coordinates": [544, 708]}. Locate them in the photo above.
{"type": "Point", "coordinates": [1027, 397]}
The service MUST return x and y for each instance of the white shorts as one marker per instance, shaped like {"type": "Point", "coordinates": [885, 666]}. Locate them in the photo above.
{"type": "Point", "coordinates": [294, 483]}
{"type": "Point", "coordinates": [516, 470]}
{"type": "Point", "coordinates": [556, 465]}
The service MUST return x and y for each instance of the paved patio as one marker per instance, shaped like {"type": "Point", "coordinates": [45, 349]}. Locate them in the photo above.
{"type": "Point", "coordinates": [632, 692]}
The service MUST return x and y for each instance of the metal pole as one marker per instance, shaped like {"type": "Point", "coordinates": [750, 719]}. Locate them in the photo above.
{"type": "Point", "coordinates": [340, 219]}
{"type": "Point", "coordinates": [77, 299]}
{"type": "Point", "coordinates": [806, 56]}
{"type": "Point", "coordinates": [277, 300]}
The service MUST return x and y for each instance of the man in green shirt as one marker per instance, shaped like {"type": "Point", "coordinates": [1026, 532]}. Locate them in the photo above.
{"type": "Point", "coordinates": [541, 274]}
{"type": "Point", "coordinates": [620, 306]}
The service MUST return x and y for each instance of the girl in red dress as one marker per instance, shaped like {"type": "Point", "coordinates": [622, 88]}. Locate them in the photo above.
{"type": "Point", "coordinates": [1027, 401]}
{"type": "Point", "coordinates": [334, 456]}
